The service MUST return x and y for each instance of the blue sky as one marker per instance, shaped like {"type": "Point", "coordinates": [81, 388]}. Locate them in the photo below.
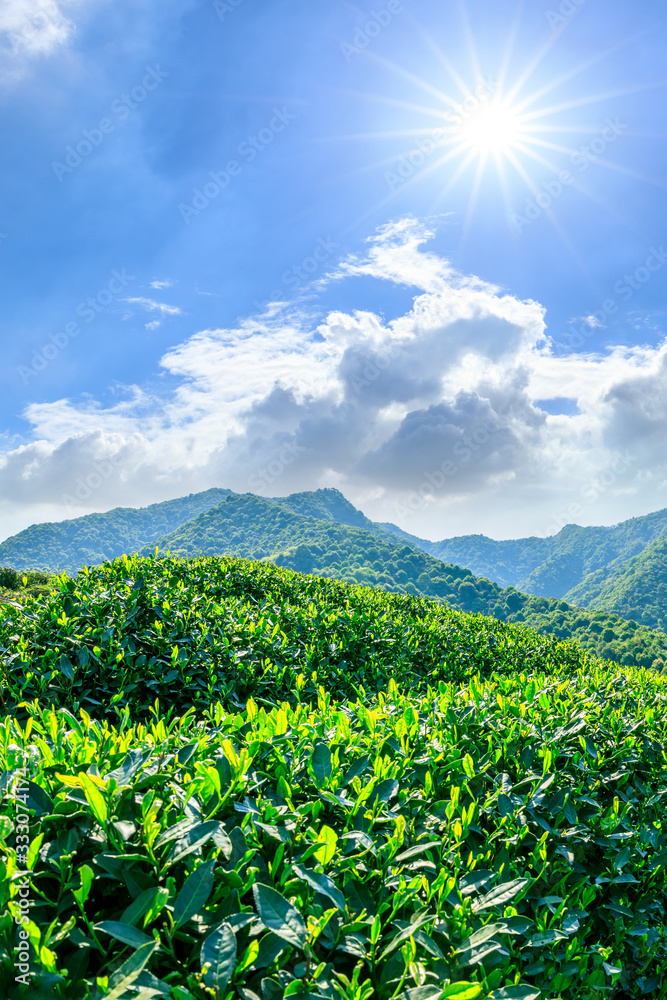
{"type": "Point", "coordinates": [216, 217]}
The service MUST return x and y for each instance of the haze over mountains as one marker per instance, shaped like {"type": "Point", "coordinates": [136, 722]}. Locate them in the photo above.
{"type": "Point", "coordinates": [618, 573]}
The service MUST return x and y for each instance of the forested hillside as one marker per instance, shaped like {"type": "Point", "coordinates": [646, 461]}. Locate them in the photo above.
{"type": "Point", "coordinates": [596, 569]}
{"type": "Point", "coordinates": [551, 566]}
{"type": "Point", "coordinates": [89, 540]}
{"type": "Point", "coordinates": [637, 589]}
{"type": "Point", "coordinates": [255, 528]}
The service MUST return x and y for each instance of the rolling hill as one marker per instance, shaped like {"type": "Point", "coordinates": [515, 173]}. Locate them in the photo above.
{"type": "Point", "coordinates": [610, 573]}
{"type": "Point", "coordinates": [255, 528]}
{"type": "Point", "coordinates": [553, 566]}
{"type": "Point", "coordinates": [90, 540]}
{"type": "Point", "coordinates": [245, 782]}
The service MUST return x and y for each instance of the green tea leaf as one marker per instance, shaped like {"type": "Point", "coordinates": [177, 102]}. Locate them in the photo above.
{"type": "Point", "coordinates": [86, 875]}
{"type": "Point", "coordinates": [516, 993]}
{"type": "Point", "coordinates": [66, 667]}
{"type": "Point", "coordinates": [141, 905]}
{"type": "Point", "coordinates": [321, 761]}
{"type": "Point", "coordinates": [329, 840]}
{"type": "Point", "coordinates": [130, 970]}
{"type": "Point", "coordinates": [501, 894]}
{"type": "Point", "coordinates": [279, 915]}
{"type": "Point", "coordinates": [321, 883]}
{"type": "Point", "coordinates": [124, 932]}
{"type": "Point", "coordinates": [95, 799]}
{"type": "Point", "coordinates": [461, 991]}
{"type": "Point", "coordinates": [413, 852]}
{"type": "Point", "coordinates": [219, 952]}
{"type": "Point", "coordinates": [194, 893]}
{"type": "Point", "coordinates": [195, 838]}
{"type": "Point", "coordinates": [356, 769]}
{"type": "Point", "coordinates": [468, 765]}
{"type": "Point", "coordinates": [481, 936]}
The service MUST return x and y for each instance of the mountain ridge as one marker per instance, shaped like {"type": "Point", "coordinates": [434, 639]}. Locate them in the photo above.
{"type": "Point", "coordinates": [598, 569]}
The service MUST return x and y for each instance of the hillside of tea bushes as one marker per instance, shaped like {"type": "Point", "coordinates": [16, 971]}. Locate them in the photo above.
{"type": "Point", "coordinates": [282, 531]}
{"type": "Point", "coordinates": [244, 783]}
{"type": "Point", "coordinates": [612, 573]}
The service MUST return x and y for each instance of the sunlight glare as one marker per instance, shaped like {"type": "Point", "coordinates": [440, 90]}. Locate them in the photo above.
{"type": "Point", "coordinates": [493, 128]}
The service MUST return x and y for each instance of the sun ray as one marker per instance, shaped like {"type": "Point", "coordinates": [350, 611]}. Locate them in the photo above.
{"type": "Point", "coordinates": [519, 122]}
{"type": "Point", "coordinates": [509, 48]}
{"type": "Point", "coordinates": [413, 78]}
{"type": "Point", "coordinates": [594, 99]}
{"type": "Point", "coordinates": [504, 186]}
{"type": "Point", "coordinates": [439, 54]}
{"type": "Point", "coordinates": [567, 242]}
{"type": "Point", "coordinates": [572, 73]}
{"type": "Point", "coordinates": [396, 103]}
{"type": "Point", "coordinates": [438, 164]}
{"type": "Point", "coordinates": [474, 194]}
{"type": "Point", "coordinates": [455, 176]}
{"type": "Point", "coordinates": [470, 40]}
{"type": "Point", "coordinates": [524, 77]}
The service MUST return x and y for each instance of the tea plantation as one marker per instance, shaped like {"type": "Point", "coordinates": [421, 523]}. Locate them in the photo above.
{"type": "Point", "coordinates": [223, 779]}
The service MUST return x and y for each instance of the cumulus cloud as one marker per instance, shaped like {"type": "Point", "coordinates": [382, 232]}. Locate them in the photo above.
{"type": "Point", "coordinates": [432, 419]}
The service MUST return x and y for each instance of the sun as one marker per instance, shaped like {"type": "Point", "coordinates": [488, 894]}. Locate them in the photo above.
{"type": "Point", "coordinates": [501, 131]}
{"type": "Point", "coordinates": [492, 129]}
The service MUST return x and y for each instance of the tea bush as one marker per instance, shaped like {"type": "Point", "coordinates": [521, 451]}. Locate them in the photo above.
{"type": "Point", "coordinates": [225, 780]}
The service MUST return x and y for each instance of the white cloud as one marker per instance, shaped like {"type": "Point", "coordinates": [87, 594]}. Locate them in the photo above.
{"type": "Point", "coordinates": [591, 321]}
{"type": "Point", "coordinates": [165, 283]}
{"type": "Point", "coordinates": [33, 29]}
{"type": "Point", "coordinates": [151, 306]}
{"type": "Point", "coordinates": [33, 26]}
{"type": "Point", "coordinates": [431, 419]}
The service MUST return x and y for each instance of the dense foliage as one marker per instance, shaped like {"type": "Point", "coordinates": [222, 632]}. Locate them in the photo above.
{"type": "Point", "coordinates": [553, 566]}
{"type": "Point", "coordinates": [15, 584]}
{"type": "Point", "coordinates": [85, 541]}
{"type": "Point", "coordinates": [593, 568]}
{"type": "Point", "coordinates": [207, 629]}
{"type": "Point", "coordinates": [255, 528]}
{"type": "Point", "coordinates": [378, 820]}
{"type": "Point", "coordinates": [637, 589]}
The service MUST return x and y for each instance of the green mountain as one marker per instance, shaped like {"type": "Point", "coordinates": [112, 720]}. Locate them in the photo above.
{"type": "Point", "coordinates": [95, 538]}
{"type": "Point", "coordinates": [327, 505]}
{"type": "Point", "coordinates": [270, 530]}
{"type": "Point", "coordinates": [508, 563]}
{"type": "Point", "coordinates": [322, 533]}
{"type": "Point", "coordinates": [89, 540]}
{"type": "Point", "coordinates": [636, 589]}
{"type": "Point", "coordinates": [552, 566]}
